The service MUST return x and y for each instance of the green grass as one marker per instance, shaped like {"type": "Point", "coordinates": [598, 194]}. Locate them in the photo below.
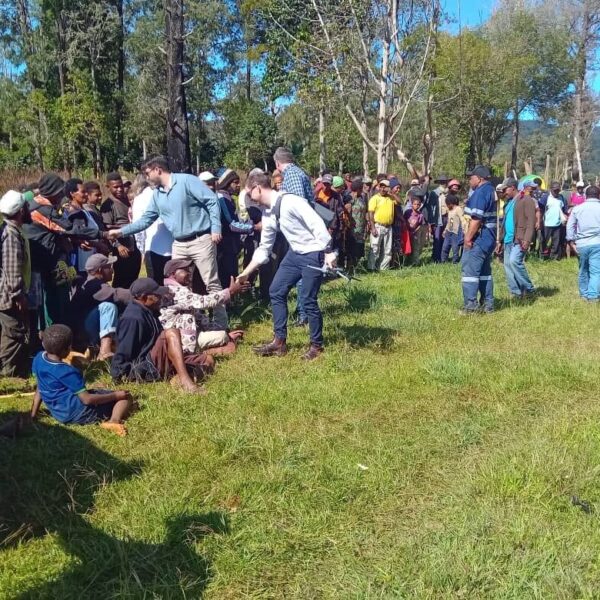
{"type": "Point", "coordinates": [424, 456]}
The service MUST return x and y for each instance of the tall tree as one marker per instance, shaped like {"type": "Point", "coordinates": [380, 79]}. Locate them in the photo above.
{"type": "Point", "coordinates": [178, 135]}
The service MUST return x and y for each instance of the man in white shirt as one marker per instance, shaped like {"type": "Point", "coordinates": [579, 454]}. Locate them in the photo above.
{"type": "Point", "coordinates": [310, 248]}
{"type": "Point", "coordinates": [156, 242]}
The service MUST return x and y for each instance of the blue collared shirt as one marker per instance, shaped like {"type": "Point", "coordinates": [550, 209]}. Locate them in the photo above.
{"type": "Point", "coordinates": [481, 206]}
{"type": "Point", "coordinates": [188, 207]}
{"type": "Point", "coordinates": [296, 181]}
{"type": "Point", "coordinates": [583, 226]}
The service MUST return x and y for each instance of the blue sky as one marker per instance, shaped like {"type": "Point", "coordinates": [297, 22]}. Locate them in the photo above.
{"type": "Point", "coordinates": [472, 12]}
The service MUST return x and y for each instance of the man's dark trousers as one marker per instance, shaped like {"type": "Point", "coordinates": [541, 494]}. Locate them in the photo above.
{"type": "Point", "coordinates": [293, 268]}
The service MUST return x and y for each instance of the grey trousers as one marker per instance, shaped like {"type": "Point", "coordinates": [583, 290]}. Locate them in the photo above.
{"type": "Point", "coordinates": [203, 251]}
{"type": "Point", "coordinates": [13, 344]}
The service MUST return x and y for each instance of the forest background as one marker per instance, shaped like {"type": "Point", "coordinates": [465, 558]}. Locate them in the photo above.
{"type": "Point", "coordinates": [364, 86]}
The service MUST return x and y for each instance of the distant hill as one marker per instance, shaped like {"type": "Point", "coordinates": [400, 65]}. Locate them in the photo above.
{"type": "Point", "coordinates": [533, 140]}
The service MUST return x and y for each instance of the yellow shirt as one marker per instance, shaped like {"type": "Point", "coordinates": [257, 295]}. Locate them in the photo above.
{"type": "Point", "coordinates": [382, 208]}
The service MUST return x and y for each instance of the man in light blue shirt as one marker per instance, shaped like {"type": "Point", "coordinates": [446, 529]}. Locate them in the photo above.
{"type": "Point", "coordinates": [583, 233]}
{"type": "Point", "coordinates": [190, 211]}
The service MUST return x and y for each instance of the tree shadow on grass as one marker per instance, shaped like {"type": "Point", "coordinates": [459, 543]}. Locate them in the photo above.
{"type": "Point", "coordinates": [378, 339]}
{"type": "Point", "coordinates": [50, 476]}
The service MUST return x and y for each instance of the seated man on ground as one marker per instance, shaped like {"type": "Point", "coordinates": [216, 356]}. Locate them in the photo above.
{"type": "Point", "coordinates": [185, 311]}
{"type": "Point", "coordinates": [95, 307]}
{"type": "Point", "coordinates": [62, 388]}
{"type": "Point", "coordinates": [146, 352]}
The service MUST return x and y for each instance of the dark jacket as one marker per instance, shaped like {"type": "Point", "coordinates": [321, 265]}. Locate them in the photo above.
{"type": "Point", "coordinates": [137, 332]}
{"type": "Point", "coordinates": [49, 233]}
{"type": "Point", "coordinates": [524, 219]}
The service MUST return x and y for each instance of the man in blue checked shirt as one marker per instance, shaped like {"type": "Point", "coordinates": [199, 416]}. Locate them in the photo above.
{"type": "Point", "coordinates": [480, 241]}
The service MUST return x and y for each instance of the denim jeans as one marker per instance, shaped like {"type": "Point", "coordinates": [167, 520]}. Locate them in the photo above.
{"type": "Point", "coordinates": [451, 242]}
{"type": "Point", "coordinates": [589, 271]}
{"type": "Point", "coordinates": [300, 303]}
{"type": "Point", "coordinates": [476, 267]}
{"type": "Point", "coordinates": [516, 274]}
{"type": "Point", "coordinates": [293, 268]}
{"type": "Point", "coordinates": [101, 321]}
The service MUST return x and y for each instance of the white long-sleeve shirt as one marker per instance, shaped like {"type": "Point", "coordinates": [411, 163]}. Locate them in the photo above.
{"type": "Point", "coordinates": [157, 238]}
{"type": "Point", "coordinates": [302, 227]}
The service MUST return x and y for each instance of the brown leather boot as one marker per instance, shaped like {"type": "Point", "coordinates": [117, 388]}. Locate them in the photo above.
{"type": "Point", "coordinates": [277, 347]}
{"type": "Point", "coordinates": [313, 352]}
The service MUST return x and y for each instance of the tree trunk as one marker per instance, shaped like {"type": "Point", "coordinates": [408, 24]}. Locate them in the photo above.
{"type": "Point", "coordinates": [144, 150]}
{"type": "Point", "coordinates": [178, 135]}
{"type": "Point", "coordinates": [120, 96]}
{"type": "Point", "coordinates": [365, 159]}
{"type": "Point", "coordinates": [97, 158]}
{"type": "Point", "coordinates": [515, 138]}
{"type": "Point", "coordinates": [585, 38]}
{"type": "Point", "coordinates": [547, 172]}
{"type": "Point", "coordinates": [248, 76]}
{"type": "Point", "coordinates": [322, 147]}
{"type": "Point", "coordinates": [382, 117]}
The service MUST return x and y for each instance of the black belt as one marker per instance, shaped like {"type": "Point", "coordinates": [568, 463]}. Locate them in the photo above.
{"type": "Point", "coordinates": [189, 238]}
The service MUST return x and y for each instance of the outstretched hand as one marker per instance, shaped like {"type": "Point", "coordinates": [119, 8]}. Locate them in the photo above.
{"type": "Point", "coordinates": [238, 286]}
{"type": "Point", "coordinates": [113, 234]}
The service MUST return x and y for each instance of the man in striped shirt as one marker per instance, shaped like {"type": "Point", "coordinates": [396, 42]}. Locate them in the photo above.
{"type": "Point", "coordinates": [480, 241]}
{"type": "Point", "coordinates": [15, 273]}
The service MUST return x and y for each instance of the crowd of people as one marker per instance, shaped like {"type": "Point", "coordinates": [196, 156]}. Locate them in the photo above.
{"type": "Point", "coordinates": [72, 257]}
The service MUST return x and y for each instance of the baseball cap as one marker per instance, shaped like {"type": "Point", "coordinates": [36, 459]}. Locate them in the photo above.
{"type": "Point", "coordinates": [510, 182]}
{"type": "Point", "coordinates": [337, 181]}
{"type": "Point", "coordinates": [327, 178]}
{"type": "Point", "coordinates": [555, 185]}
{"type": "Point", "coordinates": [384, 182]}
{"type": "Point", "coordinates": [454, 182]}
{"type": "Point", "coordinates": [394, 182]}
{"type": "Point", "coordinates": [530, 183]}
{"type": "Point", "coordinates": [442, 179]}
{"type": "Point", "coordinates": [480, 171]}
{"type": "Point", "coordinates": [580, 184]}
{"type": "Point", "coordinates": [176, 263]}
{"type": "Point", "coordinates": [206, 176]}
{"type": "Point", "coordinates": [11, 203]}
{"type": "Point", "coordinates": [500, 187]}
{"type": "Point", "coordinates": [97, 261]}
{"type": "Point", "coordinates": [145, 286]}
{"type": "Point", "coordinates": [414, 182]}
{"type": "Point", "coordinates": [367, 180]}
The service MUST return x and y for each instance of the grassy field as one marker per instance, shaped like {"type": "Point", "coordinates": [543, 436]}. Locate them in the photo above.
{"type": "Point", "coordinates": [426, 455]}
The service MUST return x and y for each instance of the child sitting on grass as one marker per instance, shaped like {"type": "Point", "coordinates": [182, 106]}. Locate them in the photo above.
{"type": "Point", "coordinates": [62, 389]}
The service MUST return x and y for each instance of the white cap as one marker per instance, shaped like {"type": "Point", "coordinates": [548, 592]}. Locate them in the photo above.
{"type": "Point", "coordinates": [11, 203]}
{"type": "Point", "coordinates": [580, 184]}
{"type": "Point", "coordinates": [206, 176]}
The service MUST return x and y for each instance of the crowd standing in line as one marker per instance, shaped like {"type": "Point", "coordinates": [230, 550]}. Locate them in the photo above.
{"type": "Point", "coordinates": [71, 262]}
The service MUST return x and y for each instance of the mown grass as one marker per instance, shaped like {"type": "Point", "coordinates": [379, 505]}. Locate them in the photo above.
{"type": "Point", "coordinates": [425, 455]}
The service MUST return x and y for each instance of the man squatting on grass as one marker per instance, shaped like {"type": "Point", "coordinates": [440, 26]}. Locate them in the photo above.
{"type": "Point", "coordinates": [310, 247]}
